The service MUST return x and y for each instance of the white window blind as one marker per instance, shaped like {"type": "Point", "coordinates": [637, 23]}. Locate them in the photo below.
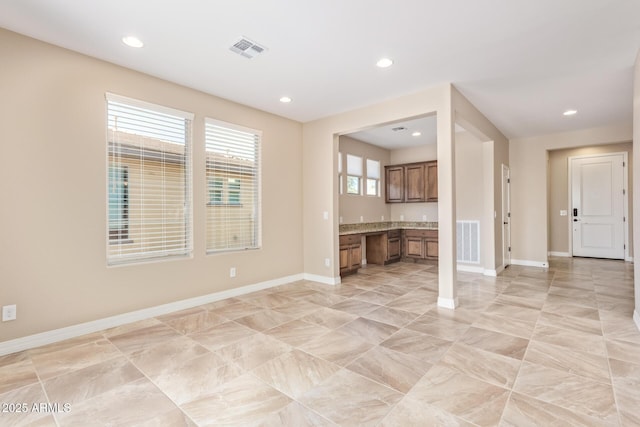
{"type": "Point", "coordinates": [354, 174]}
{"type": "Point", "coordinates": [373, 177]}
{"type": "Point", "coordinates": [149, 181]}
{"type": "Point", "coordinates": [233, 211]}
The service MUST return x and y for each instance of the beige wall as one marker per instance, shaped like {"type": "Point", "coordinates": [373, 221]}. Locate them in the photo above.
{"type": "Point", "coordinates": [495, 148]}
{"type": "Point", "coordinates": [53, 183]}
{"type": "Point", "coordinates": [559, 196]}
{"type": "Point", "coordinates": [528, 161]}
{"type": "Point", "coordinates": [370, 208]}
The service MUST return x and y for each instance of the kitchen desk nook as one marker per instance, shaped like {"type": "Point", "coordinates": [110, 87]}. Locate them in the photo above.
{"type": "Point", "coordinates": [387, 242]}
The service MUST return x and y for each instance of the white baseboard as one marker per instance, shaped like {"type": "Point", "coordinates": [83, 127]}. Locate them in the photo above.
{"type": "Point", "coordinates": [629, 259]}
{"type": "Point", "coordinates": [494, 273]}
{"type": "Point", "coordinates": [559, 254]}
{"type": "Point", "coordinates": [528, 263]}
{"type": "Point", "coordinates": [636, 317]}
{"type": "Point", "coordinates": [451, 303]}
{"type": "Point", "coordinates": [479, 270]}
{"type": "Point", "coordinates": [43, 338]}
{"type": "Point", "coordinates": [470, 269]}
{"type": "Point", "coordinates": [327, 280]}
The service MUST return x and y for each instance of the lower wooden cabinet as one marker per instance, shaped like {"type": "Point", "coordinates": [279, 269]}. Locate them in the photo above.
{"type": "Point", "coordinates": [394, 248]}
{"type": "Point", "coordinates": [384, 247]}
{"type": "Point", "coordinates": [420, 244]}
{"type": "Point", "coordinates": [350, 254]}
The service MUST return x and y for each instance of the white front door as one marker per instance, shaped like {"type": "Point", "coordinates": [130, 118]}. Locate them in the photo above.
{"type": "Point", "coordinates": [506, 217]}
{"type": "Point", "coordinates": [597, 194]}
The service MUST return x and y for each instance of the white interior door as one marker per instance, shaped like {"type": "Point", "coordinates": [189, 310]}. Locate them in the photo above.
{"type": "Point", "coordinates": [597, 194]}
{"type": "Point", "coordinates": [506, 216]}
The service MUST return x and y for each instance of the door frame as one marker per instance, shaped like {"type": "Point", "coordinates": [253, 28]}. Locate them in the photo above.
{"type": "Point", "coordinates": [625, 197]}
{"type": "Point", "coordinates": [506, 237]}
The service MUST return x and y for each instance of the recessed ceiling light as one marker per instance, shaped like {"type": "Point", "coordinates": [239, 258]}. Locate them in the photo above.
{"type": "Point", "coordinates": [570, 112]}
{"type": "Point", "coordinates": [132, 41]}
{"type": "Point", "coordinates": [384, 63]}
{"type": "Point", "coordinates": [285, 99]}
{"type": "Point", "coordinates": [416, 134]}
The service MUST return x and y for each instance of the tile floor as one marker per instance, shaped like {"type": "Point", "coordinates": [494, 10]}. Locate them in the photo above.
{"type": "Point", "coordinates": [531, 347]}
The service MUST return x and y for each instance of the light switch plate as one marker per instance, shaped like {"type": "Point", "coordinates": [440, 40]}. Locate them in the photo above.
{"type": "Point", "coordinates": [563, 213]}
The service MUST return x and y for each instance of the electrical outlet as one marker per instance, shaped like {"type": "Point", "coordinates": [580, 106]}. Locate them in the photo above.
{"type": "Point", "coordinates": [382, 218]}
{"type": "Point", "coordinates": [325, 215]}
{"type": "Point", "coordinates": [361, 218]}
{"type": "Point", "coordinates": [327, 262]}
{"type": "Point", "coordinates": [9, 312]}
{"type": "Point", "coordinates": [232, 272]}
{"type": "Point", "coordinates": [424, 217]}
{"type": "Point", "coordinates": [401, 217]}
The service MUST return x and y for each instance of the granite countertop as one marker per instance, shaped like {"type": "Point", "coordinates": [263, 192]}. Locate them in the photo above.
{"type": "Point", "coordinates": [373, 227]}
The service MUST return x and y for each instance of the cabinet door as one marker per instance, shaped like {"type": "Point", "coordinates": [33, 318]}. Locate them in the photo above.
{"type": "Point", "coordinates": [414, 183]}
{"type": "Point", "coordinates": [432, 249]}
{"type": "Point", "coordinates": [394, 184]}
{"type": "Point", "coordinates": [432, 181]}
{"type": "Point", "coordinates": [355, 257]}
{"type": "Point", "coordinates": [344, 258]}
{"type": "Point", "coordinates": [414, 247]}
{"type": "Point", "coordinates": [393, 248]}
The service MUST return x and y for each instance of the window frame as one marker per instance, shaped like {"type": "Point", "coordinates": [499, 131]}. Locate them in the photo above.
{"type": "Point", "coordinates": [247, 173]}
{"type": "Point", "coordinates": [147, 123]}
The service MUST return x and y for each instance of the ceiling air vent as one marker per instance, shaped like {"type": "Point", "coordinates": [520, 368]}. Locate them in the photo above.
{"type": "Point", "coordinates": [399, 129]}
{"type": "Point", "coordinates": [247, 48]}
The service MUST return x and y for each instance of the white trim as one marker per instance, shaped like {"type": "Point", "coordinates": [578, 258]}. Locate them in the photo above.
{"type": "Point", "coordinates": [469, 269]}
{"type": "Point", "coordinates": [148, 105]}
{"type": "Point", "coordinates": [322, 279]}
{"type": "Point", "coordinates": [559, 254]}
{"type": "Point", "coordinates": [450, 303]}
{"type": "Point", "coordinates": [480, 270]}
{"type": "Point", "coordinates": [629, 259]}
{"type": "Point", "coordinates": [55, 335]}
{"type": "Point", "coordinates": [494, 273]}
{"type": "Point", "coordinates": [636, 318]}
{"type": "Point", "coordinates": [530, 263]}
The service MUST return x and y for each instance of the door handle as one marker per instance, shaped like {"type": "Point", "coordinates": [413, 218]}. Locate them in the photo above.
{"type": "Point", "coordinates": [505, 223]}
{"type": "Point", "coordinates": [575, 211]}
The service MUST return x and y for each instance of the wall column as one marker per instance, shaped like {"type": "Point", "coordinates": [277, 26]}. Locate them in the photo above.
{"type": "Point", "coordinates": [447, 293]}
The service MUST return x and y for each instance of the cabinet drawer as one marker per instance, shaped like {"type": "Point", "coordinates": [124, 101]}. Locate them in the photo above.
{"type": "Point", "coordinates": [350, 239]}
{"type": "Point", "coordinates": [430, 234]}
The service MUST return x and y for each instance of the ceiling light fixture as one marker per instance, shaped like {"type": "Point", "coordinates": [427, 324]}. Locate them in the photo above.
{"type": "Point", "coordinates": [416, 133]}
{"type": "Point", "coordinates": [570, 112]}
{"type": "Point", "coordinates": [285, 100]}
{"type": "Point", "coordinates": [132, 41]}
{"type": "Point", "coordinates": [384, 63]}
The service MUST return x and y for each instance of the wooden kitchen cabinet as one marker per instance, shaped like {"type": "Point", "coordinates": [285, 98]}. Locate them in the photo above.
{"type": "Point", "coordinates": [394, 184]}
{"type": "Point", "coordinates": [394, 248]}
{"type": "Point", "coordinates": [350, 254]}
{"type": "Point", "coordinates": [432, 181]}
{"type": "Point", "coordinates": [412, 182]}
{"type": "Point", "coordinates": [420, 244]}
{"type": "Point", "coordinates": [384, 247]}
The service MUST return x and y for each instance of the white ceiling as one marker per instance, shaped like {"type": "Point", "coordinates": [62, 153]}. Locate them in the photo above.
{"type": "Point", "coordinates": [521, 62]}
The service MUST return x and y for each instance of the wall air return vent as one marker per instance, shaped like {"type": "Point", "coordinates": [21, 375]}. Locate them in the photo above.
{"type": "Point", "coordinates": [247, 48]}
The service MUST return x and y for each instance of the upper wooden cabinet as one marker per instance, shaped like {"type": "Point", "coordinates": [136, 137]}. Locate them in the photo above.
{"type": "Point", "coordinates": [412, 182]}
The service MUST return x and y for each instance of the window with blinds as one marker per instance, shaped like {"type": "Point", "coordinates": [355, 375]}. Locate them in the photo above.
{"type": "Point", "coordinates": [373, 177]}
{"type": "Point", "coordinates": [149, 181]}
{"type": "Point", "coordinates": [354, 174]}
{"type": "Point", "coordinates": [233, 185]}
